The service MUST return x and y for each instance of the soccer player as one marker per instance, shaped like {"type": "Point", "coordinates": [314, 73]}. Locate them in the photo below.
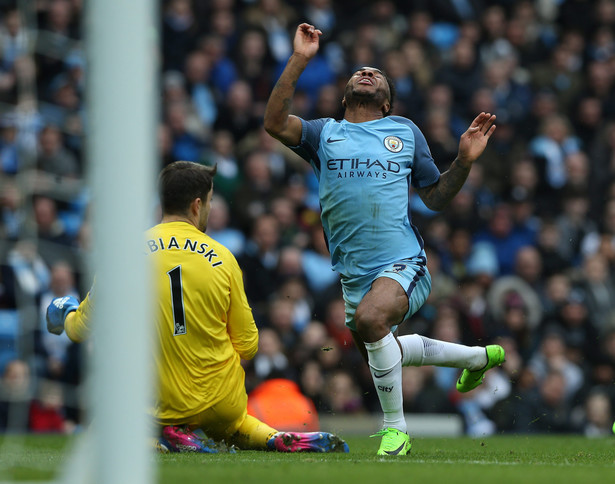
{"type": "Point", "coordinates": [203, 328]}
{"type": "Point", "coordinates": [365, 164]}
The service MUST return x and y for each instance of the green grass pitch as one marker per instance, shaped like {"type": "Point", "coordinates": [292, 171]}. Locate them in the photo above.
{"type": "Point", "coordinates": [494, 460]}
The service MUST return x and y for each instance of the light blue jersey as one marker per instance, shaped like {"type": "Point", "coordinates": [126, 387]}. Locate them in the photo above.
{"type": "Point", "coordinates": [365, 171]}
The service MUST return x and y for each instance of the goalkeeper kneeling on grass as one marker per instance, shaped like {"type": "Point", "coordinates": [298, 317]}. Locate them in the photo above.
{"type": "Point", "coordinates": [204, 327]}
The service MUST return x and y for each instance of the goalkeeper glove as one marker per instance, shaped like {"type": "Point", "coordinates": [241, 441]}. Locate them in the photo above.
{"type": "Point", "coordinates": [57, 311]}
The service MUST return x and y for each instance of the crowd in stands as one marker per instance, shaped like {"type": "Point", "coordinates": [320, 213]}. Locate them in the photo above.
{"type": "Point", "coordinates": [523, 257]}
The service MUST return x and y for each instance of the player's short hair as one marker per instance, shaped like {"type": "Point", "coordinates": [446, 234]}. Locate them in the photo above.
{"type": "Point", "coordinates": [392, 90]}
{"type": "Point", "coordinates": [181, 182]}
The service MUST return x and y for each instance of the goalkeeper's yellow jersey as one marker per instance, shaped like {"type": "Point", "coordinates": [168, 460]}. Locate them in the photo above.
{"type": "Point", "coordinates": [204, 324]}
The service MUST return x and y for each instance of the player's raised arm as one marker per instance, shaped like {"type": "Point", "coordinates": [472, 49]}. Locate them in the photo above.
{"type": "Point", "coordinates": [278, 121]}
{"type": "Point", "coordinates": [471, 145]}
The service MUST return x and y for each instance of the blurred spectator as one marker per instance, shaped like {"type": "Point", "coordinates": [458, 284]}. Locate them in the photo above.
{"type": "Point", "coordinates": [548, 246]}
{"type": "Point", "coordinates": [529, 267]}
{"type": "Point", "coordinates": [421, 394]}
{"type": "Point", "coordinates": [599, 84]}
{"type": "Point", "coordinates": [551, 145]}
{"type": "Point", "coordinates": [53, 349]}
{"type": "Point", "coordinates": [409, 101]}
{"type": "Point", "coordinates": [546, 409]}
{"type": "Point", "coordinates": [598, 288]}
{"type": "Point", "coordinates": [312, 383]}
{"type": "Point", "coordinates": [294, 289]}
{"type": "Point", "coordinates": [15, 40]}
{"type": "Point", "coordinates": [53, 157]}
{"type": "Point", "coordinates": [598, 414]}
{"type": "Point", "coordinates": [49, 226]}
{"type": "Point", "coordinates": [512, 97]}
{"type": "Point", "coordinates": [46, 415]}
{"type": "Point", "coordinates": [238, 114]}
{"type": "Point", "coordinates": [15, 396]}
{"type": "Point", "coordinates": [460, 248]}
{"type": "Point", "coordinates": [505, 237]}
{"type": "Point", "coordinates": [551, 356]}
{"type": "Point", "coordinates": [223, 70]}
{"type": "Point", "coordinates": [443, 287]}
{"type": "Point", "coordinates": [577, 172]}
{"type": "Point", "coordinates": [442, 142]}
{"type": "Point", "coordinates": [31, 272]}
{"type": "Point", "coordinates": [10, 153]}
{"type": "Point", "coordinates": [260, 260]}
{"type": "Point", "coordinates": [65, 111]}
{"type": "Point", "coordinates": [197, 72]}
{"type": "Point", "coordinates": [560, 76]}
{"type": "Point", "coordinates": [575, 224]}
{"type": "Point", "coordinates": [276, 18]}
{"type": "Point", "coordinates": [285, 211]}
{"type": "Point", "coordinates": [316, 262]}
{"type": "Point", "coordinates": [12, 213]}
{"type": "Point", "coordinates": [588, 119]}
{"type": "Point", "coordinates": [281, 318]}
{"type": "Point", "coordinates": [218, 227]}
{"type": "Point", "coordinates": [7, 288]}
{"type": "Point", "coordinates": [222, 154]}
{"type": "Point", "coordinates": [579, 333]}
{"type": "Point", "coordinates": [283, 165]}
{"type": "Point", "coordinates": [462, 73]}
{"type": "Point", "coordinates": [254, 67]}
{"type": "Point", "coordinates": [514, 310]}
{"type": "Point", "coordinates": [188, 138]}
{"type": "Point", "coordinates": [270, 361]}
{"type": "Point", "coordinates": [602, 238]}
{"type": "Point", "coordinates": [312, 340]}
{"type": "Point", "coordinates": [57, 32]}
{"type": "Point", "coordinates": [179, 33]}
{"type": "Point", "coordinates": [342, 395]}
{"type": "Point", "coordinates": [323, 13]}
{"type": "Point", "coordinates": [335, 322]}
{"type": "Point", "coordinates": [470, 300]}
{"type": "Point", "coordinates": [256, 192]}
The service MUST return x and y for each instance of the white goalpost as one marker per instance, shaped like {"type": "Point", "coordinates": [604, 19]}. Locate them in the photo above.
{"type": "Point", "coordinates": [122, 111]}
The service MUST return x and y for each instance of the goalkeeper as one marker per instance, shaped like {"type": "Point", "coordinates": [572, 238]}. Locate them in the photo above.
{"type": "Point", "coordinates": [203, 329]}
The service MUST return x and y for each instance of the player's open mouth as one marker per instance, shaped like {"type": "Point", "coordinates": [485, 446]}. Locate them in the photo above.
{"type": "Point", "coordinates": [366, 80]}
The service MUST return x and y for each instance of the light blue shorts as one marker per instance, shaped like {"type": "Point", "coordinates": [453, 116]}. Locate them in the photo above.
{"type": "Point", "coordinates": [411, 274]}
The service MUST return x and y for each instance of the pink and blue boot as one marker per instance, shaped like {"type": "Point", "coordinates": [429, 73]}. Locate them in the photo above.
{"type": "Point", "coordinates": [307, 442]}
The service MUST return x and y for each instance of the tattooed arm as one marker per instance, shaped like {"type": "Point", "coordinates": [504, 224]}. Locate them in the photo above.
{"type": "Point", "coordinates": [471, 146]}
{"type": "Point", "coordinates": [277, 121]}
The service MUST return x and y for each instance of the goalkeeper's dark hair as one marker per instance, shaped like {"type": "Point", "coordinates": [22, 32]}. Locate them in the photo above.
{"type": "Point", "coordinates": [181, 182]}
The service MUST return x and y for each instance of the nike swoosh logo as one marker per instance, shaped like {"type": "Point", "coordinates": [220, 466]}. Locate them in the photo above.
{"type": "Point", "coordinates": [384, 374]}
{"type": "Point", "coordinates": [329, 140]}
{"type": "Point", "coordinates": [396, 451]}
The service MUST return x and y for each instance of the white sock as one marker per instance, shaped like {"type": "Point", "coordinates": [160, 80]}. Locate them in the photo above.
{"type": "Point", "coordinates": [384, 357]}
{"type": "Point", "coordinates": [419, 350]}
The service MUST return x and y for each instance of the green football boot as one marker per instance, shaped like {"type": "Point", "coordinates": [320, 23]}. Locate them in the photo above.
{"type": "Point", "coordinates": [394, 442]}
{"type": "Point", "coordinates": [469, 380]}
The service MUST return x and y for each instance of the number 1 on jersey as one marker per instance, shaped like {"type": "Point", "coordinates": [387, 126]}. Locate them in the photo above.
{"type": "Point", "coordinates": [177, 299]}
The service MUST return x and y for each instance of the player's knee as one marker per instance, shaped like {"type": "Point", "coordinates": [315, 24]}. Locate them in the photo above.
{"type": "Point", "coordinates": [371, 324]}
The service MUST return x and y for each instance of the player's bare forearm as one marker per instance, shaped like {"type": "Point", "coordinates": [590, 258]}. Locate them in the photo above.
{"type": "Point", "coordinates": [440, 194]}
{"type": "Point", "coordinates": [277, 121]}
{"type": "Point", "coordinates": [471, 145]}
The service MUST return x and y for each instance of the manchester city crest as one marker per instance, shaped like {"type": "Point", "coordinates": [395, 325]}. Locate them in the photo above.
{"type": "Point", "coordinates": [393, 143]}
